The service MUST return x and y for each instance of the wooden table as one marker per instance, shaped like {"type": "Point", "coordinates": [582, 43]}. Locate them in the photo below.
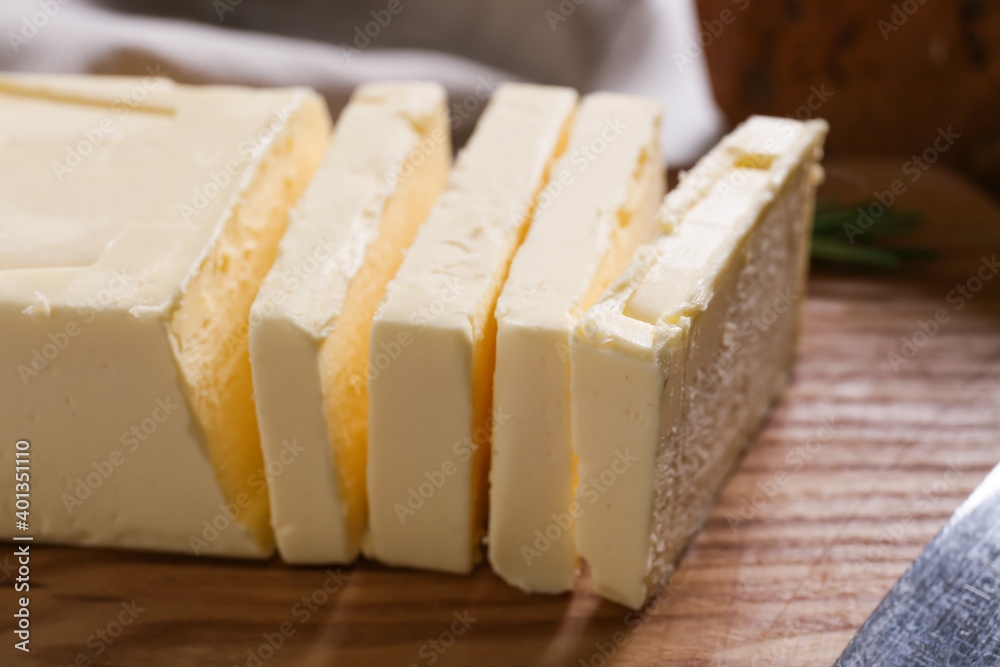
{"type": "Point", "coordinates": [857, 470]}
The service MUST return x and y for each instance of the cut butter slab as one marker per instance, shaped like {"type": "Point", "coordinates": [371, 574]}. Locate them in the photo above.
{"type": "Point", "coordinates": [680, 360]}
{"type": "Point", "coordinates": [311, 322]}
{"type": "Point", "coordinates": [434, 335]}
{"type": "Point", "coordinates": [600, 204]}
{"type": "Point", "coordinates": [139, 218]}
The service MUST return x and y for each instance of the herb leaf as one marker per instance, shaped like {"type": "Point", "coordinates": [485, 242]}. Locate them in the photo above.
{"type": "Point", "coordinates": [841, 235]}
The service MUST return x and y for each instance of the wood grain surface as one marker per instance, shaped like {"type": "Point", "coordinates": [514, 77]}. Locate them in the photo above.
{"type": "Point", "coordinates": [859, 467]}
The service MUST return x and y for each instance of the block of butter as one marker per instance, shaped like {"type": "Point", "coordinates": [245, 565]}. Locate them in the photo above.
{"type": "Point", "coordinates": [138, 219]}
{"type": "Point", "coordinates": [679, 361]}
{"type": "Point", "coordinates": [600, 204]}
{"type": "Point", "coordinates": [434, 335]}
{"type": "Point", "coordinates": [311, 323]}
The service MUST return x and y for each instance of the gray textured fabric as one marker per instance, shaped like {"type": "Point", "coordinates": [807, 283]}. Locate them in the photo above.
{"type": "Point", "coordinates": [469, 46]}
{"type": "Point", "coordinates": [512, 35]}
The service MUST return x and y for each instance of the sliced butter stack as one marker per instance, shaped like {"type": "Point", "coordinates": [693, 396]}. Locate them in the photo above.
{"type": "Point", "coordinates": [680, 360]}
{"type": "Point", "coordinates": [600, 204]}
{"type": "Point", "coordinates": [138, 219]}
{"type": "Point", "coordinates": [311, 322]}
{"type": "Point", "coordinates": [434, 335]}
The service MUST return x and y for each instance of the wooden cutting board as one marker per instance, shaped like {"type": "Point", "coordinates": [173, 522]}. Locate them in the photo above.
{"type": "Point", "coordinates": [859, 467]}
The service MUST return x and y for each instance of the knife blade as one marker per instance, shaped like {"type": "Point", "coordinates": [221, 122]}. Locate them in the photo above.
{"type": "Point", "coordinates": [945, 609]}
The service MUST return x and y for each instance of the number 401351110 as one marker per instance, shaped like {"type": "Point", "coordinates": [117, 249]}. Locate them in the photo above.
{"type": "Point", "coordinates": [22, 479]}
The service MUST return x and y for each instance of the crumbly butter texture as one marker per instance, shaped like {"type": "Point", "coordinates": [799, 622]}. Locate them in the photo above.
{"type": "Point", "coordinates": [434, 335]}
{"type": "Point", "coordinates": [600, 204]}
{"type": "Point", "coordinates": [139, 218]}
{"type": "Point", "coordinates": [311, 322]}
{"type": "Point", "coordinates": [680, 360]}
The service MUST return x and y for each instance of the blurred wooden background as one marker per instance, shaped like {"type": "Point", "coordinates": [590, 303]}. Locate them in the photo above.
{"type": "Point", "coordinates": [886, 75]}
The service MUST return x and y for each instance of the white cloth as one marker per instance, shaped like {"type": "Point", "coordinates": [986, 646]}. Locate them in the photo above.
{"type": "Point", "coordinates": [469, 46]}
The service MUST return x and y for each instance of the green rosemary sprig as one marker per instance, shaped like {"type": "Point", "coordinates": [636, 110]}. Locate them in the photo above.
{"type": "Point", "coordinates": [839, 238]}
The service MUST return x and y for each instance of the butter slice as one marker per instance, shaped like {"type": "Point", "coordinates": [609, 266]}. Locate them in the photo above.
{"type": "Point", "coordinates": [681, 359]}
{"type": "Point", "coordinates": [311, 322]}
{"type": "Point", "coordinates": [434, 335]}
{"type": "Point", "coordinates": [139, 218]}
{"type": "Point", "coordinates": [600, 204]}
